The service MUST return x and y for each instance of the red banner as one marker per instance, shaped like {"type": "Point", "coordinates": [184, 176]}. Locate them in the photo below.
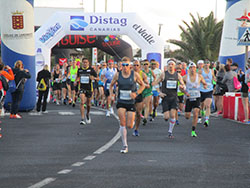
{"type": "Point", "coordinates": [62, 61]}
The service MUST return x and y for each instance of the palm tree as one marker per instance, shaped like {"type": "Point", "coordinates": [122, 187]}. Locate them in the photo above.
{"type": "Point", "coordinates": [200, 40]}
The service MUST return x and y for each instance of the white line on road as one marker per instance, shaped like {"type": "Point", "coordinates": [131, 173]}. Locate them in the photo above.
{"type": "Point", "coordinates": [66, 171]}
{"type": "Point", "coordinates": [43, 183]}
{"type": "Point", "coordinates": [108, 145]}
{"type": "Point", "coordinates": [89, 158]}
{"type": "Point", "coordinates": [66, 113]}
{"type": "Point", "coordinates": [78, 164]}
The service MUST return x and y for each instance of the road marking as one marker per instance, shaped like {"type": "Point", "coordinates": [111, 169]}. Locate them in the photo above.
{"type": "Point", "coordinates": [109, 144]}
{"type": "Point", "coordinates": [78, 164]}
{"type": "Point", "coordinates": [43, 183]}
{"type": "Point", "coordinates": [89, 158]}
{"type": "Point", "coordinates": [66, 113]}
{"type": "Point", "coordinates": [66, 171]}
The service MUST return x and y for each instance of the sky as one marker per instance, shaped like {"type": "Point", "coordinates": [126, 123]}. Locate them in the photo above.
{"type": "Point", "coordinates": [169, 13]}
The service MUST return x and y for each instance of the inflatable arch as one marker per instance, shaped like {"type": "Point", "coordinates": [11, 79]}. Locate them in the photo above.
{"type": "Point", "coordinates": [79, 23]}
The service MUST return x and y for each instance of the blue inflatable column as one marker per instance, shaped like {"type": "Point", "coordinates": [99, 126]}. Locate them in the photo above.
{"type": "Point", "coordinates": [18, 43]}
{"type": "Point", "coordinates": [236, 10]}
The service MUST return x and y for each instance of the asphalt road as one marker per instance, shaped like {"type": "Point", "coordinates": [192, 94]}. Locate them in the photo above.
{"type": "Point", "coordinates": [54, 151]}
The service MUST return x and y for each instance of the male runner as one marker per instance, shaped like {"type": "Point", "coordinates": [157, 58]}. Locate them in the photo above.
{"type": "Point", "coordinates": [193, 80]}
{"type": "Point", "coordinates": [169, 81]}
{"type": "Point", "coordinates": [85, 75]}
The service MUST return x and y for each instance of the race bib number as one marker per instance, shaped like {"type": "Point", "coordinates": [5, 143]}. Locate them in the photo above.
{"type": "Point", "coordinates": [108, 85]}
{"type": "Point", "coordinates": [84, 79]}
{"type": "Point", "coordinates": [74, 76]}
{"type": "Point", "coordinates": [171, 84]}
{"type": "Point", "coordinates": [194, 94]}
{"type": "Point", "coordinates": [57, 80]}
{"type": "Point", "coordinates": [125, 94]}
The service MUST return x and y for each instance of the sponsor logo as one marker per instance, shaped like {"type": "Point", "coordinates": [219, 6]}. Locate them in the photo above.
{"type": "Point", "coordinates": [50, 33]}
{"type": "Point", "coordinates": [143, 32]}
{"type": "Point", "coordinates": [17, 20]}
{"type": "Point", "coordinates": [77, 23]}
{"type": "Point", "coordinates": [97, 23]}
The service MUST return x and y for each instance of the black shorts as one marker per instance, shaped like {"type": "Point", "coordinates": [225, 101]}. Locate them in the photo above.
{"type": "Point", "coordinates": [169, 103]}
{"type": "Point", "coordinates": [106, 92]}
{"type": "Point", "coordinates": [57, 86]}
{"type": "Point", "coordinates": [139, 98]}
{"type": "Point", "coordinates": [87, 93]}
{"type": "Point", "coordinates": [205, 95]}
{"type": "Point", "coordinates": [95, 85]}
{"type": "Point", "coordinates": [64, 85]}
{"type": "Point", "coordinates": [128, 107]}
{"type": "Point", "coordinates": [72, 86]}
{"type": "Point", "coordinates": [194, 103]}
{"type": "Point", "coordinates": [181, 99]}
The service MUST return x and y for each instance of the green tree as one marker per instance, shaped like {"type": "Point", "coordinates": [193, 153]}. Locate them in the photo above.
{"type": "Point", "coordinates": [200, 39]}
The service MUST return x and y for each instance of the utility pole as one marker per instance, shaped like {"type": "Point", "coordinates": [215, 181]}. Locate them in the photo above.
{"type": "Point", "coordinates": [106, 6]}
{"type": "Point", "coordinates": [215, 13]}
{"type": "Point", "coordinates": [94, 6]}
{"type": "Point", "coordinates": [159, 33]}
{"type": "Point", "coordinates": [121, 6]}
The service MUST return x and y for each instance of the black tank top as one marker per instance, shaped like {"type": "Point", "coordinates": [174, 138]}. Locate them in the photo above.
{"type": "Point", "coordinates": [170, 84]}
{"type": "Point", "coordinates": [125, 87]}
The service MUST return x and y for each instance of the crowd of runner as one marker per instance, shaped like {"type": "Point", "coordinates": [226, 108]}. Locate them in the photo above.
{"type": "Point", "coordinates": [137, 88]}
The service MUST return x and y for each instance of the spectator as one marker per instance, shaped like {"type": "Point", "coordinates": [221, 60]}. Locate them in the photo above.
{"type": "Point", "coordinates": [9, 76]}
{"type": "Point", "coordinates": [229, 61]}
{"type": "Point", "coordinates": [21, 75]}
{"type": "Point", "coordinates": [234, 67]}
{"type": "Point", "coordinates": [43, 95]}
{"type": "Point", "coordinates": [220, 89]}
{"type": "Point", "coordinates": [229, 78]}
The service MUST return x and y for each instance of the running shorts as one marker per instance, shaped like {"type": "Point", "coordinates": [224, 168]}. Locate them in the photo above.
{"type": "Point", "coordinates": [194, 103]}
{"type": "Point", "coordinates": [128, 107]}
{"type": "Point", "coordinates": [205, 95]}
{"type": "Point", "coordinates": [139, 98]}
{"type": "Point", "coordinates": [87, 93]}
{"type": "Point", "coordinates": [169, 103]}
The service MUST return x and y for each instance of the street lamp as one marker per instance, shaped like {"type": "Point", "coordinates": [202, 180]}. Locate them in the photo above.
{"type": "Point", "coordinates": [105, 5]}
{"type": "Point", "coordinates": [121, 6]}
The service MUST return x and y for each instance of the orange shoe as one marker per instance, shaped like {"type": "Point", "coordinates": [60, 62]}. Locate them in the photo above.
{"type": "Point", "coordinates": [11, 116]}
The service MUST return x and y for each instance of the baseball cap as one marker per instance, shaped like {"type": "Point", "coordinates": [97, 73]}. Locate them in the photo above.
{"type": "Point", "coordinates": [200, 62]}
{"type": "Point", "coordinates": [192, 64]}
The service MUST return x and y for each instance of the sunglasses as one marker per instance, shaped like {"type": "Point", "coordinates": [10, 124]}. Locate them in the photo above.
{"type": "Point", "coordinates": [146, 64]}
{"type": "Point", "coordinates": [136, 65]}
{"type": "Point", "coordinates": [178, 71]}
{"type": "Point", "coordinates": [125, 64]}
{"type": "Point", "coordinates": [153, 64]}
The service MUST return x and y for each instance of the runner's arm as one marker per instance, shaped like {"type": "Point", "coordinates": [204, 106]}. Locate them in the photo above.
{"type": "Point", "coordinates": [113, 82]}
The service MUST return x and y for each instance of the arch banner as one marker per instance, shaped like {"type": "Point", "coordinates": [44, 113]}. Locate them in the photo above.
{"type": "Point", "coordinates": [79, 23]}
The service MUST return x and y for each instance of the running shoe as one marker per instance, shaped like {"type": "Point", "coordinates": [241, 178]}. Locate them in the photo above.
{"type": "Point", "coordinates": [177, 122]}
{"type": "Point", "coordinates": [11, 116]}
{"type": "Point", "coordinates": [219, 113]}
{"type": "Point", "coordinates": [193, 134]}
{"type": "Point", "coordinates": [170, 135]}
{"type": "Point", "coordinates": [144, 121]}
{"type": "Point", "coordinates": [124, 149]}
{"type": "Point", "coordinates": [141, 116]}
{"type": "Point", "coordinates": [64, 101]}
{"type": "Point", "coordinates": [82, 122]}
{"type": "Point", "coordinates": [57, 103]}
{"type": "Point", "coordinates": [88, 119]}
{"type": "Point", "coordinates": [107, 113]}
{"type": "Point", "coordinates": [206, 123]}
{"type": "Point", "coordinates": [18, 116]}
{"type": "Point", "coordinates": [151, 117]}
{"type": "Point", "coordinates": [1, 135]}
{"type": "Point", "coordinates": [136, 133]}
{"type": "Point", "coordinates": [103, 106]}
{"type": "Point", "coordinates": [199, 120]}
{"type": "Point", "coordinates": [45, 112]}
{"type": "Point", "coordinates": [73, 104]}
{"type": "Point", "coordinates": [85, 106]}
